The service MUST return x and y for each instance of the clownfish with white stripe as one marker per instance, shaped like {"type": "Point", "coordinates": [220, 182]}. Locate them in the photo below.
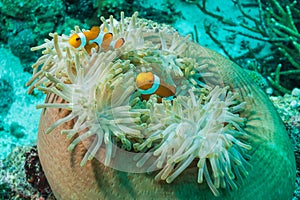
{"type": "Point", "coordinates": [149, 83]}
{"type": "Point", "coordinates": [96, 38]}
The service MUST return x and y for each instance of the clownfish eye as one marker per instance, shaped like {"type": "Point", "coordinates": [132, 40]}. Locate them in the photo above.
{"type": "Point", "coordinates": [77, 39]}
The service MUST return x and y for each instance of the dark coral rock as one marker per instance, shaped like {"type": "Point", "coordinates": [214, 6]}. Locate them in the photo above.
{"type": "Point", "coordinates": [166, 14]}
{"type": "Point", "coordinates": [79, 9]}
{"type": "Point", "coordinates": [13, 183]}
{"type": "Point", "coordinates": [34, 173]}
{"type": "Point", "coordinates": [20, 44]}
{"type": "Point", "coordinates": [16, 130]}
{"type": "Point", "coordinates": [6, 192]}
{"type": "Point", "coordinates": [28, 9]}
{"type": "Point", "coordinates": [7, 96]}
{"type": "Point", "coordinates": [25, 23]}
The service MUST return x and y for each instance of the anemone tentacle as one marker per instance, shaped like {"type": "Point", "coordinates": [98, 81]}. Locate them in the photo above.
{"type": "Point", "coordinates": [207, 131]}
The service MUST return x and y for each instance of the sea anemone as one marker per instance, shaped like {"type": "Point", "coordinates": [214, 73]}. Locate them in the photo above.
{"type": "Point", "coordinates": [92, 100]}
{"type": "Point", "coordinates": [205, 129]}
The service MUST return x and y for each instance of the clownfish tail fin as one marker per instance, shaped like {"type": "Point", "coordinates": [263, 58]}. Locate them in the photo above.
{"type": "Point", "coordinates": [117, 43]}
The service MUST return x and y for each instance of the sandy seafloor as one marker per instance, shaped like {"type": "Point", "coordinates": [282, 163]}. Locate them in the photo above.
{"type": "Point", "coordinates": [19, 122]}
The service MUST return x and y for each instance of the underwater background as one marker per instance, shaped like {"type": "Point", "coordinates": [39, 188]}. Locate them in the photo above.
{"type": "Point", "coordinates": [261, 36]}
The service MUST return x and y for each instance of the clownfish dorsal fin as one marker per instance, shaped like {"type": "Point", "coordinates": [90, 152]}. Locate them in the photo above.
{"type": "Point", "coordinates": [119, 43]}
{"type": "Point", "coordinates": [91, 34]}
{"type": "Point", "coordinates": [95, 29]}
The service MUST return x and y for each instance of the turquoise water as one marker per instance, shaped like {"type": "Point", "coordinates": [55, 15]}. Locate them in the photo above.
{"type": "Point", "coordinates": [220, 27]}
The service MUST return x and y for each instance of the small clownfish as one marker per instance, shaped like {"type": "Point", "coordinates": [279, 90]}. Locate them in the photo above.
{"type": "Point", "coordinates": [95, 38]}
{"type": "Point", "coordinates": [149, 83]}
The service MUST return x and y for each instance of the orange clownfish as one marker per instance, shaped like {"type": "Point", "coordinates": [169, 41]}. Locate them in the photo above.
{"type": "Point", "coordinates": [95, 38]}
{"type": "Point", "coordinates": [149, 83]}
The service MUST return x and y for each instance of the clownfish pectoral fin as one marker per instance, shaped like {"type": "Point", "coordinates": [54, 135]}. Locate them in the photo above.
{"type": "Point", "coordinates": [107, 38]}
{"type": "Point", "coordinates": [92, 35]}
{"type": "Point", "coordinates": [89, 47]}
{"type": "Point", "coordinates": [118, 43]}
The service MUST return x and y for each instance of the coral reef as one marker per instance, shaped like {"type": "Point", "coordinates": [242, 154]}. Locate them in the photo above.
{"type": "Point", "coordinates": [22, 176]}
{"type": "Point", "coordinates": [13, 183]}
{"type": "Point", "coordinates": [21, 24]}
{"type": "Point", "coordinates": [273, 24]}
{"type": "Point", "coordinates": [214, 139]}
{"type": "Point", "coordinates": [165, 13]}
{"type": "Point", "coordinates": [25, 24]}
{"type": "Point", "coordinates": [77, 9]}
{"type": "Point", "coordinates": [288, 107]}
{"type": "Point", "coordinates": [19, 10]}
{"type": "Point", "coordinates": [35, 174]}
